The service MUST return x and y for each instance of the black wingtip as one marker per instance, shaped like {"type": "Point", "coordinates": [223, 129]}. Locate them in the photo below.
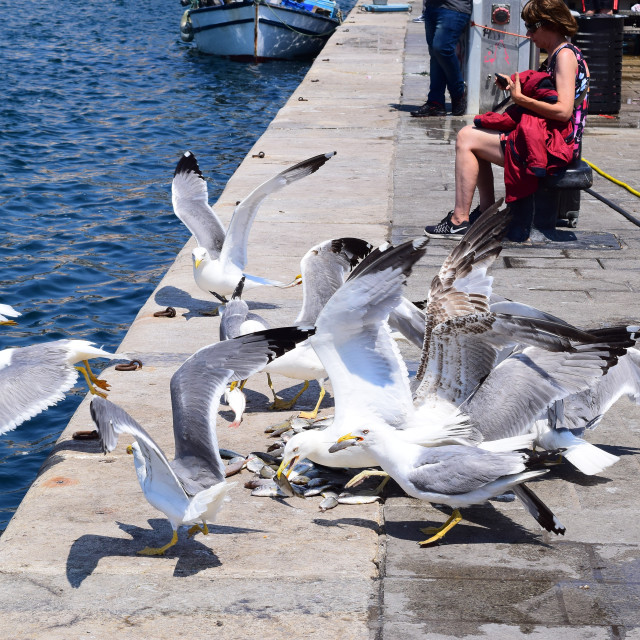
{"type": "Point", "coordinates": [354, 249]}
{"type": "Point", "coordinates": [307, 167]}
{"type": "Point", "coordinates": [187, 164]}
{"type": "Point", "coordinates": [387, 253]}
{"type": "Point", "coordinates": [539, 510]}
{"type": "Point", "coordinates": [282, 339]}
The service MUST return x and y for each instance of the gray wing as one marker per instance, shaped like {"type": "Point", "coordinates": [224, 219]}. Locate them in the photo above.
{"type": "Point", "coordinates": [457, 469]}
{"type": "Point", "coordinates": [111, 421]}
{"type": "Point", "coordinates": [35, 378]}
{"type": "Point", "coordinates": [197, 385]}
{"type": "Point", "coordinates": [522, 386]}
{"type": "Point", "coordinates": [191, 205]}
{"type": "Point", "coordinates": [464, 349]}
{"type": "Point", "coordinates": [354, 344]}
{"type": "Point", "coordinates": [583, 410]}
{"type": "Point", "coordinates": [324, 269]}
{"type": "Point", "coordinates": [234, 249]}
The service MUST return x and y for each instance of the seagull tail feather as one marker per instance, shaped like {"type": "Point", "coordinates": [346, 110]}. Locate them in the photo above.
{"type": "Point", "coordinates": [588, 458]}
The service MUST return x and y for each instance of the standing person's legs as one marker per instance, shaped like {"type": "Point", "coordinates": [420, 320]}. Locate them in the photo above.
{"type": "Point", "coordinates": [433, 25]}
{"type": "Point", "coordinates": [450, 26]}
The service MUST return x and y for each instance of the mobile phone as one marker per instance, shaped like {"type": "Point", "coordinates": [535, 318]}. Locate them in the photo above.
{"type": "Point", "coordinates": [502, 81]}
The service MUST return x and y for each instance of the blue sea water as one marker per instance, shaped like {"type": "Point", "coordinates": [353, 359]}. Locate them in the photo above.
{"type": "Point", "coordinates": [99, 101]}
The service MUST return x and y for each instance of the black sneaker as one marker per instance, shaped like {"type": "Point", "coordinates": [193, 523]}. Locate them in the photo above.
{"type": "Point", "coordinates": [446, 229]}
{"type": "Point", "coordinates": [429, 109]}
{"type": "Point", "coordinates": [474, 215]}
{"type": "Point", "coordinates": [459, 105]}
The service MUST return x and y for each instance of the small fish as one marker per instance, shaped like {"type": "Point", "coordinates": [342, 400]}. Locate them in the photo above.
{"type": "Point", "coordinates": [350, 498]}
{"type": "Point", "coordinates": [268, 491]}
{"type": "Point", "coordinates": [278, 432]}
{"type": "Point", "coordinates": [277, 450]}
{"type": "Point", "coordinates": [255, 464]}
{"type": "Point", "coordinates": [280, 425]}
{"type": "Point", "coordinates": [505, 497]}
{"type": "Point", "coordinates": [257, 482]}
{"type": "Point", "coordinates": [309, 493]}
{"type": "Point", "coordinates": [321, 423]}
{"type": "Point", "coordinates": [284, 485]}
{"type": "Point", "coordinates": [232, 469]}
{"type": "Point", "coordinates": [265, 457]}
{"type": "Point", "coordinates": [329, 503]}
{"type": "Point", "coordinates": [298, 424]}
{"type": "Point", "coordinates": [236, 459]}
{"type": "Point", "coordinates": [298, 479]}
{"type": "Point", "coordinates": [228, 453]}
{"type": "Point", "coordinates": [267, 472]}
{"type": "Point", "coordinates": [316, 482]}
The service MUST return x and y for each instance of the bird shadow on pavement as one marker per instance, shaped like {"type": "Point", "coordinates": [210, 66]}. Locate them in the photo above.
{"type": "Point", "coordinates": [349, 522]}
{"type": "Point", "coordinates": [192, 555]}
{"type": "Point", "coordinates": [173, 297]}
{"type": "Point", "coordinates": [492, 527]}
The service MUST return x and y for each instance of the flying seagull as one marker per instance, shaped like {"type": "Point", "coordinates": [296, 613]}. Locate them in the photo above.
{"type": "Point", "coordinates": [36, 377]}
{"type": "Point", "coordinates": [220, 258]}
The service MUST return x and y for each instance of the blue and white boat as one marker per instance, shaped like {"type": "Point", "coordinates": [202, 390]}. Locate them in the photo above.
{"type": "Point", "coordinates": [258, 30]}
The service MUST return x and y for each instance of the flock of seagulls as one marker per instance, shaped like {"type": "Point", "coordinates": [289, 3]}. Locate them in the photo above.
{"type": "Point", "coordinates": [501, 390]}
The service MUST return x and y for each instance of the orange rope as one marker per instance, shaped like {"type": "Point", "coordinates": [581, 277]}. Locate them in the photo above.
{"type": "Point", "coordinates": [483, 26]}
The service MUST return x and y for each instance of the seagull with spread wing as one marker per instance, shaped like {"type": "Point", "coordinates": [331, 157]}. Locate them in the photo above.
{"type": "Point", "coordinates": [220, 258]}
{"type": "Point", "coordinates": [191, 488]}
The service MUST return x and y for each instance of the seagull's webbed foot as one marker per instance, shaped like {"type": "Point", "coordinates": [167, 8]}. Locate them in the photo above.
{"type": "Point", "coordinates": [279, 403]}
{"type": "Point", "coordinates": [158, 551]}
{"type": "Point", "coordinates": [196, 528]}
{"type": "Point", "coordinates": [437, 533]}
{"type": "Point", "coordinates": [312, 415]}
{"type": "Point", "coordinates": [89, 382]}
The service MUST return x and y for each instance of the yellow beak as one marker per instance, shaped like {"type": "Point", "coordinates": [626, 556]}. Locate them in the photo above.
{"type": "Point", "coordinates": [287, 467]}
{"type": "Point", "coordinates": [130, 450]}
{"type": "Point", "coordinates": [198, 261]}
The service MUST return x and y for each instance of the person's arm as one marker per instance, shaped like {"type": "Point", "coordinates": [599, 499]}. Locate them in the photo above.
{"type": "Point", "coordinates": [566, 69]}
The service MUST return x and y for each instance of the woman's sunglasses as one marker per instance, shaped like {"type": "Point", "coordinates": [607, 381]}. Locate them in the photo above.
{"type": "Point", "coordinates": [532, 28]}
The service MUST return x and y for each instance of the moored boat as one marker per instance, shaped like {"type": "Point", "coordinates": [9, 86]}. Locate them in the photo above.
{"type": "Point", "coordinates": [260, 29]}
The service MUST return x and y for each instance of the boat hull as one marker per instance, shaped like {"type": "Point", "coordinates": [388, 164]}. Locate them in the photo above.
{"type": "Point", "coordinates": [281, 33]}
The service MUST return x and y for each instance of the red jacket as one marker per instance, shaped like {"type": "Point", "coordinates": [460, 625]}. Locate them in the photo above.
{"type": "Point", "coordinates": [535, 146]}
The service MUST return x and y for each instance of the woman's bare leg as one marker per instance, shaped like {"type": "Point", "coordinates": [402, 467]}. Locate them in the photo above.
{"type": "Point", "coordinates": [476, 150]}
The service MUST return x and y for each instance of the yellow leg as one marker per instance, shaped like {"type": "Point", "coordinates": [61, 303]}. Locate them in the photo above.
{"type": "Point", "coordinates": [103, 384]}
{"type": "Point", "coordinates": [92, 389]}
{"type": "Point", "coordinates": [198, 529]}
{"type": "Point", "coordinates": [439, 532]}
{"type": "Point", "coordinates": [279, 403]}
{"type": "Point", "coordinates": [10, 323]}
{"type": "Point", "coordinates": [242, 383]}
{"type": "Point", "coordinates": [313, 414]}
{"type": "Point", "coordinates": [233, 385]}
{"type": "Point", "coordinates": [158, 551]}
{"type": "Point", "coordinates": [363, 475]}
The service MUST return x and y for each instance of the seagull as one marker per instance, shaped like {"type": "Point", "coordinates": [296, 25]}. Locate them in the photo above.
{"type": "Point", "coordinates": [220, 258]}
{"type": "Point", "coordinates": [7, 312]}
{"type": "Point", "coordinates": [324, 269]}
{"type": "Point", "coordinates": [466, 339]}
{"type": "Point", "coordinates": [455, 475]}
{"type": "Point", "coordinates": [191, 488]}
{"type": "Point", "coordinates": [369, 377]}
{"type": "Point", "coordinates": [36, 377]}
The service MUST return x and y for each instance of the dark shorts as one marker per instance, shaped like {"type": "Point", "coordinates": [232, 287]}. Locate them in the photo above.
{"type": "Point", "coordinates": [597, 5]}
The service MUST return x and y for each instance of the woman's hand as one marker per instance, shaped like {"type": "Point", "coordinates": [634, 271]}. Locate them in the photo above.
{"type": "Point", "coordinates": [515, 89]}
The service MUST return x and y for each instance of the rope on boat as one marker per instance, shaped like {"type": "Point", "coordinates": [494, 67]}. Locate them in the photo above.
{"type": "Point", "coordinates": [307, 35]}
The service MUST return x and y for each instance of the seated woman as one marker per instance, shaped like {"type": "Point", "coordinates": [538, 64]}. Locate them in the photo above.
{"type": "Point", "coordinates": [549, 25]}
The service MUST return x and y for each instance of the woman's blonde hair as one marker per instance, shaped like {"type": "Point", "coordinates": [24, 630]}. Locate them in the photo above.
{"type": "Point", "coordinates": [554, 14]}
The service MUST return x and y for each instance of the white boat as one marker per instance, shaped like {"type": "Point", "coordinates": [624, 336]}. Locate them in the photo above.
{"type": "Point", "coordinates": [261, 29]}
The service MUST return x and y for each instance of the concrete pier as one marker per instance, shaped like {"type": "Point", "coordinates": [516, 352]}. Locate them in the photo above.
{"type": "Point", "coordinates": [281, 568]}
